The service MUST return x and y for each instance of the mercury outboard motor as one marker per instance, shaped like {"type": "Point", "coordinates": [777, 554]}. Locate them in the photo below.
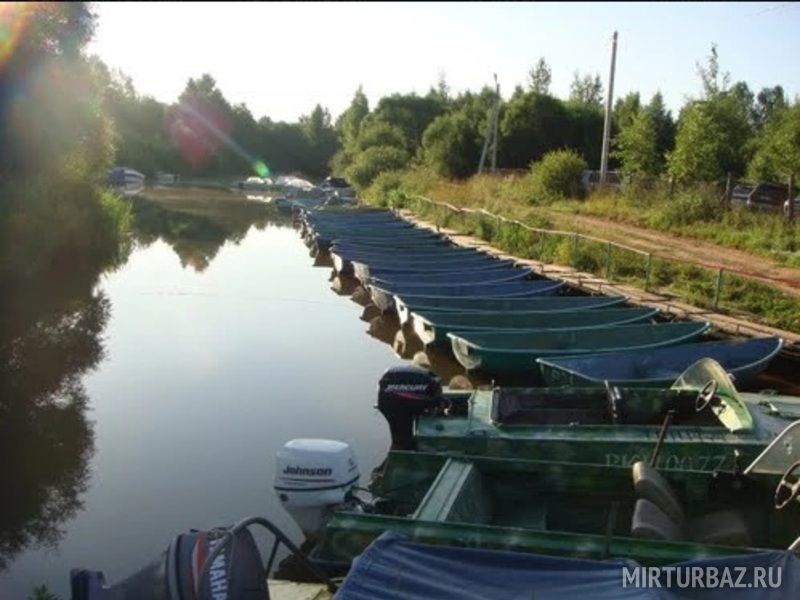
{"type": "Point", "coordinates": [405, 393]}
{"type": "Point", "coordinates": [236, 573]}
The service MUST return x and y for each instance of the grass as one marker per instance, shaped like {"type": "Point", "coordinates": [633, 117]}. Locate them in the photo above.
{"type": "Point", "coordinates": [510, 197]}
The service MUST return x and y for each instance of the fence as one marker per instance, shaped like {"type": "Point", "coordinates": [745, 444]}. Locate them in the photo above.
{"type": "Point", "coordinates": [704, 285]}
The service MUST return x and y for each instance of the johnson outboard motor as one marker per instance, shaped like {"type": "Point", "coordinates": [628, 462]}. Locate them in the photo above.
{"type": "Point", "coordinates": [405, 393]}
{"type": "Point", "coordinates": [181, 573]}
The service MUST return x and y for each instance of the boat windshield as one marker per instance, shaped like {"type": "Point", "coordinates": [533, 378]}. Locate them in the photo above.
{"type": "Point", "coordinates": [782, 453]}
{"type": "Point", "coordinates": [730, 410]}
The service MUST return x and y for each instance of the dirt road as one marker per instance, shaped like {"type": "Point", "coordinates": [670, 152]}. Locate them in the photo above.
{"type": "Point", "coordinates": [688, 249]}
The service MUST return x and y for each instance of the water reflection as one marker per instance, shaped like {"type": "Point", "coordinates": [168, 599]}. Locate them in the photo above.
{"type": "Point", "coordinates": [46, 440]}
{"type": "Point", "coordinates": [197, 229]}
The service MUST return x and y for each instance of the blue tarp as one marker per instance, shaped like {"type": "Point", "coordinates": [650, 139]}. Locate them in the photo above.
{"type": "Point", "coordinates": [393, 568]}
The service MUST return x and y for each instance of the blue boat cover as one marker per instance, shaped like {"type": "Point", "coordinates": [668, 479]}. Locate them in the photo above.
{"type": "Point", "coordinates": [393, 568]}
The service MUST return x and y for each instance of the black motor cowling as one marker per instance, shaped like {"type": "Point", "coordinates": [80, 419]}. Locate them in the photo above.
{"type": "Point", "coordinates": [236, 573]}
{"type": "Point", "coordinates": [405, 393]}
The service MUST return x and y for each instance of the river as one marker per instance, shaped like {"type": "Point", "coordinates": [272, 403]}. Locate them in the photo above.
{"type": "Point", "coordinates": [190, 365]}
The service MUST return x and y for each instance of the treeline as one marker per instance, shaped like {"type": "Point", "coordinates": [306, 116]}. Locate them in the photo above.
{"type": "Point", "coordinates": [728, 129]}
{"type": "Point", "coordinates": [203, 134]}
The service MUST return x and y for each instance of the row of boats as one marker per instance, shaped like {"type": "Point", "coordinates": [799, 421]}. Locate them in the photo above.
{"type": "Point", "coordinates": [500, 318]}
{"type": "Point", "coordinates": [629, 441]}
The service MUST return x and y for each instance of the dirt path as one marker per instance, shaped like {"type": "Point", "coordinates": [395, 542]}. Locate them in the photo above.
{"type": "Point", "coordinates": [664, 244]}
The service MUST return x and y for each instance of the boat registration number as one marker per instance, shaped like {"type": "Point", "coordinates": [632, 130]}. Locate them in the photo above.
{"type": "Point", "coordinates": [711, 462]}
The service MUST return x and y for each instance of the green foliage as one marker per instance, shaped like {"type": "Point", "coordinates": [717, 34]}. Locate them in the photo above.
{"type": "Point", "coordinates": [532, 124]}
{"type": "Point", "coordinates": [586, 91]}
{"type": "Point", "coordinates": [558, 175]}
{"type": "Point", "coordinates": [714, 133]}
{"type": "Point", "coordinates": [411, 114]}
{"type": "Point", "coordinates": [41, 592]}
{"type": "Point", "coordinates": [451, 145]}
{"type": "Point", "coordinates": [349, 122]}
{"type": "Point", "coordinates": [372, 162]}
{"type": "Point", "coordinates": [540, 77]}
{"type": "Point", "coordinates": [375, 132]}
{"type": "Point", "coordinates": [636, 146]}
{"type": "Point", "coordinates": [778, 147]}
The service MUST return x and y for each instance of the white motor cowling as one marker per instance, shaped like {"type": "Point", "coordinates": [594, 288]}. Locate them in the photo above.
{"type": "Point", "coordinates": [311, 477]}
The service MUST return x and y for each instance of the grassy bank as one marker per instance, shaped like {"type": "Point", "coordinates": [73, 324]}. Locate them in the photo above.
{"type": "Point", "coordinates": [511, 198]}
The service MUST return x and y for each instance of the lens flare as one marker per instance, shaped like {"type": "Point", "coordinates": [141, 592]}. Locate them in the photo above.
{"type": "Point", "coordinates": [261, 169]}
{"type": "Point", "coordinates": [14, 18]}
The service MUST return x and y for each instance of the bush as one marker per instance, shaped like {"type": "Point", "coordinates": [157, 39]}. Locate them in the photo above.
{"type": "Point", "coordinates": [687, 207]}
{"type": "Point", "coordinates": [372, 162]}
{"type": "Point", "coordinates": [558, 175]}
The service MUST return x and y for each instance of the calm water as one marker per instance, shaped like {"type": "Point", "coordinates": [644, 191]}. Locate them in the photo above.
{"type": "Point", "coordinates": [214, 344]}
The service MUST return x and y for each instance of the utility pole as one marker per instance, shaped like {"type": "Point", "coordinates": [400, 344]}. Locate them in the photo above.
{"type": "Point", "coordinates": [491, 131]}
{"type": "Point", "coordinates": [609, 103]}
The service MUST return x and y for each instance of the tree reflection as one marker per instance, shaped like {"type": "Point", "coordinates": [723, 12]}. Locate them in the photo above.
{"type": "Point", "coordinates": [196, 228]}
{"type": "Point", "coordinates": [46, 441]}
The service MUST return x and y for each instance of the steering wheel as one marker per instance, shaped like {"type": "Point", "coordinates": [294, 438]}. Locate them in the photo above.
{"type": "Point", "coordinates": [784, 488]}
{"type": "Point", "coordinates": [706, 396]}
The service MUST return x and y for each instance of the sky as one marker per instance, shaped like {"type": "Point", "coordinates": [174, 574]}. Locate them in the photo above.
{"type": "Point", "coordinates": [282, 59]}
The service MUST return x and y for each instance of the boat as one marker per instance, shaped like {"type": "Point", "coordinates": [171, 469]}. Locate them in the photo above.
{"type": "Point", "coordinates": [616, 426]}
{"type": "Point", "coordinates": [430, 306]}
{"type": "Point", "coordinates": [363, 269]}
{"type": "Point", "coordinates": [383, 295]}
{"type": "Point", "coordinates": [342, 258]}
{"type": "Point", "coordinates": [434, 330]}
{"type": "Point", "coordinates": [323, 239]}
{"type": "Point", "coordinates": [744, 360]}
{"type": "Point", "coordinates": [508, 351]}
{"type": "Point", "coordinates": [386, 274]}
{"type": "Point", "coordinates": [502, 273]}
{"type": "Point", "coordinates": [557, 508]}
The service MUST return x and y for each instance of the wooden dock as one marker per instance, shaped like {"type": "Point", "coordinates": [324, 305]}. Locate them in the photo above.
{"type": "Point", "coordinates": [589, 283]}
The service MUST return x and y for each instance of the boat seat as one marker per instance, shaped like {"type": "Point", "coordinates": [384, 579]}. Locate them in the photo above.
{"type": "Point", "coordinates": [650, 485]}
{"type": "Point", "coordinates": [658, 514]}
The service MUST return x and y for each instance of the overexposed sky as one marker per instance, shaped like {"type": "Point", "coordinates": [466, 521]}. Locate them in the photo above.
{"type": "Point", "coordinates": [282, 59]}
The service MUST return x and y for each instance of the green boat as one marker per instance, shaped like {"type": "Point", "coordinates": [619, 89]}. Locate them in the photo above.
{"type": "Point", "coordinates": [654, 517]}
{"type": "Point", "coordinates": [432, 305]}
{"type": "Point", "coordinates": [612, 427]}
{"type": "Point", "coordinates": [434, 330]}
{"type": "Point", "coordinates": [506, 352]}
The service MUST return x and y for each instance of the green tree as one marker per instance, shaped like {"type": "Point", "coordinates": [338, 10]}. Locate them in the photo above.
{"type": "Point", "coordinates": [373, 161]}
{"type": "Point", "coordinates": [663, 123]}
{"type": "Point", "coordinates": [349, 122]}
{"type": "Point", "coordinates": [532, 124]}
{"type": "Point", "coordinates": [451, 145]}
{"type": "Point", "coordinates": [777, 152]}
{"type": "Point", "coordinates": [559, 174]}
{"type": "Point", "coordinates": [769, 101]}
{"type": "Point", "coordinates": [625, 109]}
{"type": "Point", "coordinates": [698, 145]}
{"type": "Point", "coordinates": [540, 77]}
{"type": "Point", "coordinates": [636, 146]}
{"type": "Point", "coordinates": [586, 91]}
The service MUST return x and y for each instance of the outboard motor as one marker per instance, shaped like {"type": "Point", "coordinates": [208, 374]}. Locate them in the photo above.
{"type": "Point", "coordinates": [312, 477]}
{"type": "Point", "coordinates": [405, 393]}
{"type": "Point", "coordinates": [235, 574]}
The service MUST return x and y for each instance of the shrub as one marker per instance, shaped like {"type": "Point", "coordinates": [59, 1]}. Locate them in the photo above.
{"type": "Point", "coordinates": [374, 161]}
{"type": "Point", "coordinates": [687, 207]}
{"type": "Point", "coordinates": [558, 175]}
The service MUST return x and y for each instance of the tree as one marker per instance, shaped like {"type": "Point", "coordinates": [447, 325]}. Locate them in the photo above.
{"type": "Point", "coordinates": [698, 145]}
{"type": "Point", "coordinates": [663, 123]}
{"type": "Point", "coordinates": [713, 82]}
{"type": "Point", "coordinates": [625, 109]}
{"type": "Point", "coordinates": [411, 114]}
{"type": "Point", "coordinates": [777, 152]}
{"type": "Point", "coordinates": [540, 77]}
{"type": "Point", "coordinates": [374, 161]}
{"type": "Point", "coordinates": [451, 145]}
{"type": "Point", "coordinates": [532, 124]}
{"type": "Point", "coordinates": [769, 101]}
{"type": "Point", "coordinates": [587, 91]}
{"type": "Point", "coordinates": [636, 146]}
{"type": "Point", "coordinates": [349, 122]}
